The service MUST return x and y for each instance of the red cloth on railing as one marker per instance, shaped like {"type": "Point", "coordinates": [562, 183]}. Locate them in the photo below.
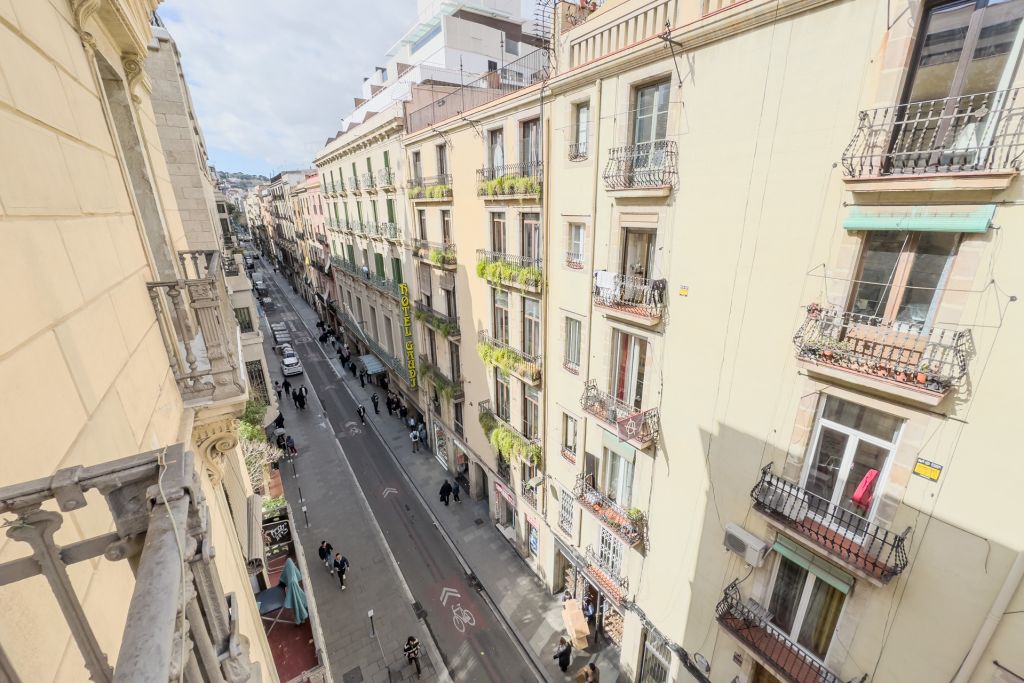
{"type": "Point", "coordinates": [865, 491]}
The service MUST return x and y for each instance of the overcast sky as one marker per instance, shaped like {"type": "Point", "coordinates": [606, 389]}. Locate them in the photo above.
{"type": "Point", "coordinates": [271, 80]}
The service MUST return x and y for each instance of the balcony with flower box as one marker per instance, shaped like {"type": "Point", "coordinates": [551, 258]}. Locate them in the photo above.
{"type": "Point", "coordinates": [647, 169]}
{"type": "Point", "coordinates": [508, 359]}
{"type": "Point", "coordinates": [438, 254]}
{"type": "Point", "coordinates": [508, 441]}
{"type": "Point", "coordinates": [636, 299]}
{"type": "Point", "coordinates": [629, 525]}
{"type": "Point", "coordinates": [510, 181]}
{"type": "Point", "coordinates": [751, 625]}
{"type": "Point", "coordinates": [865, 548]}
{"type": "Point", "coordinates": [436, 188]}
{"type": "Point", "coordinates": [448, 325]}
{"type": "Point", "coordinates": [969, 142]}
{"type": "Point", "coordinates": [501, 269]}
{"type": "Point", "coordinates": [450, 388]}
{"type": "Point", "coordinates": [639, 427]}
{"type": "Point", "coordinates": [912, 360]}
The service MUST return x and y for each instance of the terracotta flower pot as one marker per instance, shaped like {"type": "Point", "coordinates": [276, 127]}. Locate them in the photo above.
{"type": "Point", "coordinates": [921, 378]}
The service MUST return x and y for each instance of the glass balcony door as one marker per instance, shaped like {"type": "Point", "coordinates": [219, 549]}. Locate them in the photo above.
{"type": "Point", "coordinates": [628, 369]}
{"type": "Point", "coordinates": [805, 607]}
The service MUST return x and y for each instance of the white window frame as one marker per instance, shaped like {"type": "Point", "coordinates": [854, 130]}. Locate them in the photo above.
{"type": "Point", "coordinates": [573, 343]}
{"type": "Point", "coordinates": [801, 609]}
{"type": "Point", "coordinates": [575, 248]}
{"type": "Point", "coordinates": [566, 508]}
{"type": "Point", "coordinates": [621, 490]}
{"type": "Point", "coordinates": [610, 551]}
{"type": "Point", "coordinates": [531, 326]}
{"type": "Point", "coordinates": [567, 421]}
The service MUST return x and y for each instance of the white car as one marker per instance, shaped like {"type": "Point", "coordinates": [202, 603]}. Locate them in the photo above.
{"type": "Point", "coordinates": [291, 365]}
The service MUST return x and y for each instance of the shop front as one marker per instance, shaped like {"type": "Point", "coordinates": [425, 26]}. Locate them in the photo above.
{"type": "Point", "coordinates": [505, 512]}
{"type": "Point", "coordinates": [583, 580]}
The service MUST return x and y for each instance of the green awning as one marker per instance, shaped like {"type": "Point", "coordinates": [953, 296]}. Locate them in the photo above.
{"type": "Point", "coordinates": [949, 218]}
{"type": "Point", "coordinates": [830, 574]}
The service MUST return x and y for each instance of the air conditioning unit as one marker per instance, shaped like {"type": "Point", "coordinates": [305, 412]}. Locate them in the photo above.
{"type": "Point", "coordinates": [790, 503]}
{"type": "Point", "coordinates": [745, 544]}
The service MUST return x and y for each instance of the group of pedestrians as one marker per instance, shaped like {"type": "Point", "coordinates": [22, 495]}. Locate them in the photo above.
{"type": "Point", "coordinates": [298, 393]}
{"type": "Point", "coordinates": [450, 490]}
{"type": "Point", "coordinates": [335, 563]}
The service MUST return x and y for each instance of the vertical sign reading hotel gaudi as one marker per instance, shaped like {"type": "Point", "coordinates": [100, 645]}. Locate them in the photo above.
{"type": "Point", "coordinates": [410, 350]}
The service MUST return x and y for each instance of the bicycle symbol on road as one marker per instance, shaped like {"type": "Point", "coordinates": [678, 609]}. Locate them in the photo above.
{"type": "Point", "coordinates": [462, 618]}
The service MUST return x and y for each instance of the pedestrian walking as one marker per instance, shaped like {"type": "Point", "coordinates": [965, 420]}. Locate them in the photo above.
{"type": "Point", "coordinates": [302, 401]}
{"type": "Point", "coordinates": [563, 653]}
{"type": "Point", "coordinates": [324, 551]}
{"type": "Point", "coordinates": [390, 405]}
{"type": "Point", "coordinates": [289, 444]}
{"type": "Point", "coordinates": [341, 567]}
{"type": "Point", "coordinates": [591, 674]}
{"type": "Point", "coordinates": [303, 391]}
{"type": "Point", "coordinates": [279, 421]}
{"type": "Point", "coordinates": [446, 492]}
{"type": "Point", "coordinates": [295, 398]}
{"type": "Point", "coordinates": [591, 616]}
{"type": "Point", "coordinates": [281, 443]}
{"type": "Point", "coordinates": [402, 412]}
{"type": "Point", "coordinates": [412, 653]}
{"type": "Point", "coordinates": [287, 386]}
{"type": "Point", "coordinates": [375, 400]}
{"type": "Point", "coordinates": [414, 436]}
{"type": "Point", "coordinates": [361, 411]}
{"type": "Point", "coordinates": [277, 390]}
{"type": "Point", "coordinates": [455, 491]}
{"type": "Point", "coordinates": [352, 369]}
{"type": "Point", "coordinates": [362, 378]}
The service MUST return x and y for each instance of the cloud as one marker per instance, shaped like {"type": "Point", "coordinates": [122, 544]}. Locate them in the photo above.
{"type": "Point", "coordinates": [271, 81]}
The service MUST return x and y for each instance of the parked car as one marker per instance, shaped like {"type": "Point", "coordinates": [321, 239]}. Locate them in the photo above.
{"type": "Point", "coordinates": [291, 365]}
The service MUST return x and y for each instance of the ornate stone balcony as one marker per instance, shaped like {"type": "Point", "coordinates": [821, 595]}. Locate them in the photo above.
{"type": "Point", "coordinates": [749, 624]}
{"type": "Point", "coordinates": [629, 525]}
{"type": "Point", "coordinates": [199, 331]}
{"type": "Point", "coordinates": [981, 132]}
{"type": "Point", "coordinates": [640, 427]}
{"type": "Point", "coordinates": [865, 547]}
{"type": "Point", "coordinates": [150, 530]}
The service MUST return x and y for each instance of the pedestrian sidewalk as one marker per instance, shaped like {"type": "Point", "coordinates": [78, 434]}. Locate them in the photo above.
{"type": "Point", "coordinates": [320, 480]}
{"type": "Point", "coordinates": [534, 615]}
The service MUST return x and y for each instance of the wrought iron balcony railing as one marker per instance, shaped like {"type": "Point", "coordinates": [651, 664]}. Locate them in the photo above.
{"type": "Point", "coordinates": [391, 361]}
{"type": "Point", "coordinates": [626, 524]}
{"type": "Point", "coordinates": [640, 427]}
{"type": "Point", "coordinates": [431, 187]}
{"type": "Point", "coordinates": [511, 269]}
{"type": "Point", "coordinates": [342, 189]}
{"type": "Point", "coordinates": [389, 231]}
{"type": "Point", "coordinates": [506, 439]}
{"type": "Point", "coordinates": [864, 545]}
{"type": "Point", "coordinates": [389, 287]}
{"type": "Point", "coordinates": [448, 325]}
{"type": "Point", "coordinates": [630, 294]}
{"type": "Point", "coordinates": [578, 151]}
{"type": "Point", "coordinates": [440, 254]}
{"type": "Point", "coordinates": [504, 471]}
{"type": "Point", "coordinates": [450, 388]}
{"type": "Point", "coordinates": [574, 260]}
{"type": "Point", "coordinates": [510, 180]}
{"type": "Point", "coordinates": [385, 177]}
{"type": "Point", "coordinates": [750, 625]}
{"type": "Point", "coordinates": [150, 531]}
{"type": "Point", "coordinates": [366, 181]}
{"type": "Point", "coordinates": [353, 183]}
{"type": "Point", "coordinates": [509, 359]}
{"type": "Point", "coordinates": [606, 567]}
{"type": "Point", "coordinates": [979, 132]}
{"type": "Point", "coordinates": [906, 353]}
{"type": "Point", "coordinates": [529, 494]}
{"type": "Point", "coordinates": [647, 165]}
{"type": "Point", "coordinates": [198, 327]}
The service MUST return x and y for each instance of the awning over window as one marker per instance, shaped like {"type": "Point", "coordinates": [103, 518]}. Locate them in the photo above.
{"type": "Point", "coordinates": [371, 364]}
{"type": "Point", "coordinates": [948, 218]}
{"type": "Point", "coordinates": [829, 573]}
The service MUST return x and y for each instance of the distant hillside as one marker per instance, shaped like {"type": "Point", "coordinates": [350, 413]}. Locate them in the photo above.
{"type": "Point", "coordinates": [238, 175]}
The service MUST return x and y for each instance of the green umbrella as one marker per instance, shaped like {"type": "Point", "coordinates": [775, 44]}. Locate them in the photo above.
{"type": "Point", "coordinates": [295, 598]}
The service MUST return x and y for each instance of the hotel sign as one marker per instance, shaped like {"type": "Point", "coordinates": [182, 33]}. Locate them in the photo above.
{"type": "Point", "coordinates": [410, 349]}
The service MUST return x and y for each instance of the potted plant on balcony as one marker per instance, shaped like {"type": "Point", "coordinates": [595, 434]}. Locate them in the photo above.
{"type": "Point", "coordinates": [922, 373]}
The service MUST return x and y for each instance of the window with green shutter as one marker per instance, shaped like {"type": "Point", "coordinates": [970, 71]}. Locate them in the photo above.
{"type": "Point", "coordinates": [378, 263]}
{"type": "Point", "coordinates": [391, 210]}
{"type": "Point", "coordinates": [396, 270]}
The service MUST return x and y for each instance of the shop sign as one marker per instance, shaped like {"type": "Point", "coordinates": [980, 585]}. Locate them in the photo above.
{"type": "Point", "coordinates": [505, 492]}
{"type": "Point", "coordinates": [410, 349]}
{"type": "Point", "coordinates": [927, 469]}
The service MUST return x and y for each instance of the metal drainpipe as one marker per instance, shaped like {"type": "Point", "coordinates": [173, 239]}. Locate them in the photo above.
{"type": "Point", "coordinates": [595, 150]}
{"type": "Point", "coordinates": [545, 208]}
{"type": "Point", "coordinates": [1010, 585]}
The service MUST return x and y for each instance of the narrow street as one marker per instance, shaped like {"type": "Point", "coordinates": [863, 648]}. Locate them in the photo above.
{"type": "Point", "coordinates": [475, 644]}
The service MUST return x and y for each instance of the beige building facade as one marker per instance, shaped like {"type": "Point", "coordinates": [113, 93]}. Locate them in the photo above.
{"type": "Point", "coordinates": [776, 280]}
{"type": "Point", "coordinates": [124, 332]}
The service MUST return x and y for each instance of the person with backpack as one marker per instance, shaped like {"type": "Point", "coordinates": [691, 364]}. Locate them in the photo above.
{"type": "Point", "coordinates": [324, 551]}
{"type": "Point", "coordinates": [412, 653]}
{"type": "Point", "coordinates": [414, 436]}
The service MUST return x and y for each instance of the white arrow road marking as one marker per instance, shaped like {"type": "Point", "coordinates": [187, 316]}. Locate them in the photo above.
{"type": "Point", "coordinates": [389, 491]}
{"type": "Point", "coordinates": [449, 593]}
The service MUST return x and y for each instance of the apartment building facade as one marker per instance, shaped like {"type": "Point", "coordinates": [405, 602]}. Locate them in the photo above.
{"type": "Point", "coordinates": [125, 505]}
{"type": "Point", "coordinates": [772, 276]}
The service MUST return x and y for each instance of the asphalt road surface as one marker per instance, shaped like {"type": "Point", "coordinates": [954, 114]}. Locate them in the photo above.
{"type": "Point", "coordinates": [473, 641]}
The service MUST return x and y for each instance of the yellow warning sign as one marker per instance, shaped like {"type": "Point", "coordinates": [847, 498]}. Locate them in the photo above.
{"type": "Point", "coordinates": [927, 469]}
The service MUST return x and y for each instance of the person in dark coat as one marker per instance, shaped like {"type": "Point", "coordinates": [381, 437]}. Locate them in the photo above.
{"type": "Point", "coordinates": [446, 492]}
{"type": "Point", "coordinates": [375, 400]}
{"type": "Point", "coordinates": [352, 368]}
{"type": "Point", "coordinates": [412, 653]}
{"type": "Point", "coordinates": [455, 491]}
{"type": "Point", "coordinates": [295, 398]}
{"type": "Point", "coordinates": [361, 411]}
{"type": "Point", "coordinates": [289, 443]}
{"type": "Point", "coordinates": [287, 386]}
{"type": "Point", "coordinates": [302, 400]}
{"type": "Point", "coordinates": [362, 378]}
{"type": "Point", "coordinates": [324, 551]}
{"type": "Point", "coordinates": [341, 566]}
{"type": "Point", "coordinates": [563, 653]}
{"type": "Point", "coordinates": [279, 421]}
{"type": "Point", "coordinates": [390, 405]}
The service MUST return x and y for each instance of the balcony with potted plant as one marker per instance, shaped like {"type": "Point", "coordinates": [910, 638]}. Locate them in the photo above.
{"type": "Point", "coordinates": [431, 189]}
{"type": "Point", "coordinates": [639, 427]}
{"type": "Point", "coordinates": [500, 268]}
{"type": "Point", "coordinates": [445, 324]}
{"type": "Point", "coordinates": [509, 360]}
{"type": "Point", "coordinates": [449, 388]}
{"type": "Point", "coordinates": [510, 181]}
{"type": "Point", "coordinates": [438, 254]}
{"type": "Point", "coordinates": [628, 524]}
{"type": "Point", "coordinates": [508, 441]}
